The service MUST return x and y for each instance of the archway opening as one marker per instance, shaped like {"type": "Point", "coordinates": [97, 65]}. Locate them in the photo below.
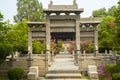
{"type": "Point", "coordinates": [67, 39]}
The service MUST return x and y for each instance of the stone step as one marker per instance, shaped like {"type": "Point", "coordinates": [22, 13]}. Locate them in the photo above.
{"type": "Point", "coordinates": [63, 71]}
{"type": "Point", "coordinates": [65, 79]}
{"type": "Point", "coordinates": [64, 56]}
{"type": "Point", "coordinates": [63, 75]}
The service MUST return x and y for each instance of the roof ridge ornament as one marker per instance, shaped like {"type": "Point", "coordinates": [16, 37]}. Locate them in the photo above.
{"type": "Point", "coordinates": [74, 2]}
{"type": "Point", "coordinates": [51, 2]}
{"type": "Point", "coordinates": [74, 6]}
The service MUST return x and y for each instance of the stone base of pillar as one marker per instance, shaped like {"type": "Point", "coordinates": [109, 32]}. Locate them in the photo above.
{"type": "Point", "coordinates": [12, 62]}
{"type": "Point", "coordinates": [77, 55]}
{"type": "Point", "coordinates": [96, 53]}
{"type": "Point", "coordinates": [29, 62]}
{"type": "Point", "coordinates": [49, 56]}
{"type": "Point", "coordinates": [46, 62]}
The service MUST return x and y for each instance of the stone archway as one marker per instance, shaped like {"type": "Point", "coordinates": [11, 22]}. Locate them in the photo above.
{"type": "Point", "coordinates": [83, 28]}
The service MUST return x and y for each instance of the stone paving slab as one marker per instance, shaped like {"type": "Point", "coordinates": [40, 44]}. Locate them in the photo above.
{"type": "Point", "coordinates": [63, 64]}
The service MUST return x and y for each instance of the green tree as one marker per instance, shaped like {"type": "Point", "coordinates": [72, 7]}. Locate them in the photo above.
{"type": "Point", "coordinates": [5, 50]}
{"type": "Point", "coordinates": [29, 9]}
{"type": "Point", "coordinates": [109, 34]}
{"type": "Point", "coordinates": [106, 33]}
{"type": "Point", "coordinates": [5, 46]}
{"type": "Point", "coordinates": [111, 11]}
{"type": "Point", "coordinates": [1, 16]}
{"type": "Point", "coordinates": [38, 47]}
{"type": "Point", "coordinates": [117, 22]}
{"type": "Point", "coordinates": [102, 12]}
{"type": "Point", "coordinates": [18, 37]}
{"type": "Point", "coordinates": [99, 13]}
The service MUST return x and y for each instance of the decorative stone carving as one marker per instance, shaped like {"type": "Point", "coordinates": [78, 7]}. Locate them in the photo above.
{"type": "Point", "coordinates": [33, 74]}
{"type": "Point", "coordinates": [51, 2]}
{"type": "Point", "coordinates": [92, 71]}
{"type": "Point", "coordinates": [74, 2]}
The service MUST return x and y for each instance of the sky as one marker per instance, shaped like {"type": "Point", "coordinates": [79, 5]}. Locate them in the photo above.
{"type": "Point", "coordinates": [9, 9]}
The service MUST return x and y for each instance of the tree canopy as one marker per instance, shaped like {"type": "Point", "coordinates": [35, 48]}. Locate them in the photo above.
{"type": "Point", "coordinates": [102, 12]}
{"type": "Point", "coordinates": [38, 47]}
{"type": "Point", "coordinates": [109, 28]}
{"type": "Point", "coordinates": [117, 24]}
{"type": "Point", "coordinates": [1, 16]}
{"type": "Point", "coordinates": [13, 37]}
{"type": "Point", "coordinates": [30, 10]}
{"type": "Point", "coordinates": [106, 33]}
{"type": "Point", "coordinates": [99, 13]}
{"type": "Point", "coordinates": [5, 46]}
{"type": "Point", "coordinates": [18, 37]}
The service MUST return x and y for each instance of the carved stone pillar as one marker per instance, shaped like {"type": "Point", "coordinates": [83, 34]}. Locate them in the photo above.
{"type": "Point", "coordinates": [29, 47]}
{"type": "Point", "coordinates": [30, 42]}
{"type": "Point", "coordinates": [77, 39]}
{"type": "Point", "coordinates": [95, 41]}
{"type": "Point", "coordinates": [48, 38]}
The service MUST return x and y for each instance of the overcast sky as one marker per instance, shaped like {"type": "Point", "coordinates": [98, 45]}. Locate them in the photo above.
{"type": "Point", "coordinates": [9, 8]}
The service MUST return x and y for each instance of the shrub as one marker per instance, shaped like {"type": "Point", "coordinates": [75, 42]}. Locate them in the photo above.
{"type": "Point", "coordinates": [117, 68]}
{"type": "Point", "coordinates": [5, 50]}
{"type": "Point", "coordinates": [109, 68]}
{"type": "Point", "coordinates": [103, 78]}
{"type": "Point", "coordinates": [15, 74]}
{"type": "Point", "coordinates": [59, 45]}
{"type": "Point", "coordinates": [103, 75]}
{"type": "Point", "coordinates": [109, 72]}
{"type": "Point", "coordinates": [38, 47]}
{"type": "Point", "coordinates": [116, 76]}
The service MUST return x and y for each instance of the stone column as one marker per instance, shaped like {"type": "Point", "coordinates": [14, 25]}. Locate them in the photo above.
{"type": "Point", "coordinates": [29, 47]}
{"type": "Point", "coordinates": [48, 38]}
{"type": "Point", "coordinates": [30, 42]}
{"type": "Point", "coordinates": [95, 41]}
{"type": "Point", "coordinates": [77, 38]}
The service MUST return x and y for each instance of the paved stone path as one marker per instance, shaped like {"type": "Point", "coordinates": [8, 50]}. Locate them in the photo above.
{"type": "Point", "coordinates": [63, 68]}
{"type": "Point", "coordinates": [63, 62]}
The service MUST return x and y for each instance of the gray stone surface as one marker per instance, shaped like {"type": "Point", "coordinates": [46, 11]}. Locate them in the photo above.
{"type": "Point", "coordinates": [63, 7]}
{"type": "Point", "coordinates": [63, 68]}
{"type": "Point", "coordinates": [63, 64]}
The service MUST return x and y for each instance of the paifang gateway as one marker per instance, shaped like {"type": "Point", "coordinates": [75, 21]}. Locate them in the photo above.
{"type": "Point", "coordinates": [63, 22]}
